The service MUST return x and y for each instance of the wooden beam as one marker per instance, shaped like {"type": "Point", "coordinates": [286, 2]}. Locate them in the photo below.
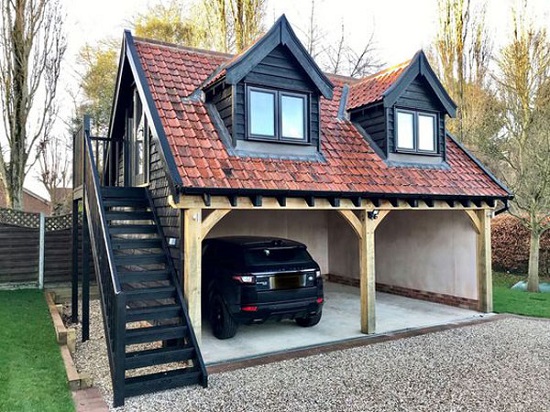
{"type": "Point", "coordinates": [334, 201]}
{"type": "Point", "coordinates": [353, 220]}
{"type": "Point", "coordinates": [367, 276]}
{"type": "Point", "coordinates": [484, 269]}
{"type": "Point", "coordinates": [211, 220]}
{"type": "Point", "coordinates": [474, 220]}
{"type": "Point", "coordinates": [310, 200]}
{"type": "Point", "coordinates": [192, 256]}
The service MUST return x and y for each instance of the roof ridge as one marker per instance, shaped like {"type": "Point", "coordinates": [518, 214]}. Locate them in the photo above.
{"type": "Point", "coordinates": [181, 47]}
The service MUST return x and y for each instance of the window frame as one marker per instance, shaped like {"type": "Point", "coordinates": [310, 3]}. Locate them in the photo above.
{"type": "Point", "coordinates": [278, 126]}
{"type": "Point", "coordinates": [416, 137]}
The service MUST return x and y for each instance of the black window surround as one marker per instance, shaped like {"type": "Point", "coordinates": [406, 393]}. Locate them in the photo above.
{"type": "Point", "coordinates": [274, 132]}
{"type": "Point", "coordinates": [414, 135]}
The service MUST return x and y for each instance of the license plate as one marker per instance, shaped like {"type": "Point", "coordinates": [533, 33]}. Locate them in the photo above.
{"type": "Point", "coordinates": [288, 281]}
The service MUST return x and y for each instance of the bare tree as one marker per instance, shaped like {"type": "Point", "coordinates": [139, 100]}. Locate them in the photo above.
{"type": "Point", "coordinates": [232, 25]}
{"type": "Point", "coordinates": [32, 46]}
{"type": "Point", "coordinates": [55, 172]}
{"type": "Point", "coordinates": [462, 52]}
{"type": "Point", "coordinates": [523, 149]}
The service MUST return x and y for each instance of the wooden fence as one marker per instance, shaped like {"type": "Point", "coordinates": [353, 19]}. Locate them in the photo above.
{"type": "Point", "coordinates": [25, 258]}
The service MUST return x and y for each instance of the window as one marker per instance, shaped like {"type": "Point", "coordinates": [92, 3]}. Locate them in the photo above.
{"type": "Point", "coordinates": [276, 115]}
{"type": "Point", "coordinates": [416, 132]}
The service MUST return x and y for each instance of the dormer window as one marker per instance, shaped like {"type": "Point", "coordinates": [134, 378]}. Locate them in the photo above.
{"type": "Point", "coordinates": [416, 131]}
{"type": "Point", "coordinates": [277, 115]}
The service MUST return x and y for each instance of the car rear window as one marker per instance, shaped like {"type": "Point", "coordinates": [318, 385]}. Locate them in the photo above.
{"type": "Point", "coordinates": [270, 256]}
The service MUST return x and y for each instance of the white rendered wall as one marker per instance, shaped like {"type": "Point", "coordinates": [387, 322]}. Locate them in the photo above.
{"type": "Point", "coordinates": [308, 227]}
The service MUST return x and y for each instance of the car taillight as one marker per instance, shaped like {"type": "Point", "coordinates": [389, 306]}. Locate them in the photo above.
{"type": "Point", "coordinates": [249, 308]}
{"type": "Point", "coordinates": [320, 300]}
{"type": "Point", "coordinates": [317, 274]}
{"type": "Point", "coordinates": [246, 279]}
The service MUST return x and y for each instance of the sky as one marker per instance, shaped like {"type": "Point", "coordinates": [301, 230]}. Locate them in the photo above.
{"type": "Point", "coordinates": [400, 27]}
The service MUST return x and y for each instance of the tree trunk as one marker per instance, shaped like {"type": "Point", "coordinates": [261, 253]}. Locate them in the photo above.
{"type": "Point", "coordinates": [533, 274]}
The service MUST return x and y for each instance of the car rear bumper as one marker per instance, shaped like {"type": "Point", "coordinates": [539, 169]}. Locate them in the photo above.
{"type": "Point", "coordinates": [277, 310]}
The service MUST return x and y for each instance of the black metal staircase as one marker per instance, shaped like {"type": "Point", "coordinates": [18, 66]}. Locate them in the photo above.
{"type": "Point", "coordinates": [151, 343]}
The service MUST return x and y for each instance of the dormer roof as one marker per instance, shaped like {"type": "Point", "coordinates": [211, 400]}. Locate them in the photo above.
{"type": "Point", "coordinates": [388, 85]}
{"type": "Point", "coordinates": [281, 34]}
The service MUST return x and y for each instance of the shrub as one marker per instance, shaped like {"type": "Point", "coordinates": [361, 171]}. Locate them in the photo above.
{"type": "Point", "coordinates": [510, 244]}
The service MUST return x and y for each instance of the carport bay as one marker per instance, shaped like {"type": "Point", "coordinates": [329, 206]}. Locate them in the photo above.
{"type": "Point", "coordinates": [437, 251]}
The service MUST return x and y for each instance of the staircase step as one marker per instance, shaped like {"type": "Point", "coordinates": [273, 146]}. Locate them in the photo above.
{"type": "Point", "coordinates": [123, 192]}
{"type": "Point", "coordinates": [120, 243]}
{"type": "Point", "coordinates": [160, 381]}
{"type": "Point", "coordinates": [162, 292]}
{"type": "Point", "coordinates": [114, 202]}
{"type": "Point", "coordinates": [155, 333]}
{"type": "Point", "coordinates": [140, 259]}
{"type": "Point", "coordinates": [161, 356]}
{"type": "Point", "coordinates": [151, 313]}
{"type": "Point", "coordinates": [136, 276]}
{"type": "Point", "coordinates": [128, 215]}
{"type": "Point", "coordinates": [132, 229]}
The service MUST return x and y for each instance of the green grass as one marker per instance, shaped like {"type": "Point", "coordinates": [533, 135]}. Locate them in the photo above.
{"type": "Point", "coordinates": [506, 300]}
{"type": "Point", "coordinates": [32, 375]}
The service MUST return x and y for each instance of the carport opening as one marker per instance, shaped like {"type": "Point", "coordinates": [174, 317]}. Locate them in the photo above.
{"type": "Point", "coordinates": [335, 246]}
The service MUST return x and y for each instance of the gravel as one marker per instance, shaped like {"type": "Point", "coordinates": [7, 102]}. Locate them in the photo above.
{"type": "Point", "coordinates": [497, 366]}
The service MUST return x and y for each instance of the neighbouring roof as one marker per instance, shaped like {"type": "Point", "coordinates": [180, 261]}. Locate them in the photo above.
{"type": "Point", "coordinates": [173, 74]}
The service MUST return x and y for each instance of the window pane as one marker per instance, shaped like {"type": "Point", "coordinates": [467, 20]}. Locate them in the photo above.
{"type": "Point", "coordinates": [426, 132]}
{"type": "Point", "coordinates": [405, 133]}
{"type": "Point", "coordinates": [262, 113]}
{"type": "Point", "coordinates": [292, 112]}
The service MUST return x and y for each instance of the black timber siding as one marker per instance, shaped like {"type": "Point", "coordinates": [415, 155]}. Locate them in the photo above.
{"type": "Point", "coordinates": [222, 97]}
{"type": "Point", "coordinates": [373, 120]}
{"type": "Point", "coordinates": [160, 190]}
{"type": "Point", "coordinates": [278, 70]}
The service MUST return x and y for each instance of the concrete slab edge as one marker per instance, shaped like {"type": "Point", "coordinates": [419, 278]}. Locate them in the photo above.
{"type": "Point", "coordinates": [347, 344]}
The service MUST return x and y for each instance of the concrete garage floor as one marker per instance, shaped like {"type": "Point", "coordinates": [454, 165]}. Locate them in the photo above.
{"type": "Point", "coordinates": [341, 321]}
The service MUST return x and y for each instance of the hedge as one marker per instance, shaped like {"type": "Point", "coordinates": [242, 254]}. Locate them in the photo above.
{"type": "Point", "coordinates": [510, 244]}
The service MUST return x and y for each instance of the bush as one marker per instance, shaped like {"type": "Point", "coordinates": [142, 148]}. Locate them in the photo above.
{"type": "Point", "coordinates": [510, 244]}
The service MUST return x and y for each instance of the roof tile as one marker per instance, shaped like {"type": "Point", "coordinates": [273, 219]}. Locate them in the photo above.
{"type": "Point", "coordinates": [350, 163]}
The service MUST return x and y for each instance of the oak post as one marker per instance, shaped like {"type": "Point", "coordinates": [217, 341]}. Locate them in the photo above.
{"type": "Point", "coordinates": [484, 268]}
{"type": "Point", "coordinates": [367, 274]}
{"type": "Point", "coordinates": [192, 231]}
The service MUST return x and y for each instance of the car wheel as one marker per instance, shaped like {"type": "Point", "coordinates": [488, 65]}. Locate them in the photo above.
{"type": "Point", "coordinates": [223, 324]}
{"type": "Point", "coordinates": [309, 321]}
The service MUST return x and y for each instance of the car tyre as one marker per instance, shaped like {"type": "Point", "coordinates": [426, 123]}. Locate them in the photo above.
{"type": "Point", "coordinates": [223, 324]}
{"type": "Point", "coordinates": [309, 321]}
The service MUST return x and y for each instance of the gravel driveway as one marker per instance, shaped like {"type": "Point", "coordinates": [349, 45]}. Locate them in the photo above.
{"type": "Point", "coordinates": [496, 366]}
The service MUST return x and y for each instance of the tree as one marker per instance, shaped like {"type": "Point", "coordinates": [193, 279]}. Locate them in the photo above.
{"type": "Point", "coordinates": [232, 25]}
{"type": "Point", "coordinates": [462, 52]}
{"type": "Point", "coordinates": [55, 173]}
{"type": "Point", "coordinates": [32, 46]}
{"type": "Point", "coordinates": [523, 149]}
{"type": "Point", "coordinates": [98, 83]}
{"type": "Point", "coordinates": [167, 22]}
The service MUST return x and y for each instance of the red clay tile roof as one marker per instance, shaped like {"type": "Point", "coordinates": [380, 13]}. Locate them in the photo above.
{"type": "Point", "coordinates": [351, 164]}
{"type": "Point", "coordinates": [371, 89]}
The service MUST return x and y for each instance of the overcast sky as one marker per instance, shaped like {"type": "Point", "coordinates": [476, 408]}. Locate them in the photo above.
{"type": "Point", "coordinates": [400, 27]}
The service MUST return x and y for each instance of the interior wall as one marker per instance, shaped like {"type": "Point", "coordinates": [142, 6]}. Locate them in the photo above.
{"type": "Point", "coordinates": [344, 247]}
{"type": "Point", "coordinates": [308, 227]}
{"type": "Point", "coordinates": [433, 251]}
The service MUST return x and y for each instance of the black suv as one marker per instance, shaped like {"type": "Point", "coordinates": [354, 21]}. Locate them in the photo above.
{"type": "Point", "coordinates": [249, 279]}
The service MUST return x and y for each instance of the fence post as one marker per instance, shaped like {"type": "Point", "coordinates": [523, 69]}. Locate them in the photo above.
{"type": "Point", "coordinates": [41, 249]}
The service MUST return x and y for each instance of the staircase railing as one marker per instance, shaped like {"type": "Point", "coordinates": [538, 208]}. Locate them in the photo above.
{"type": "Point", "coordinates": [113, 299]}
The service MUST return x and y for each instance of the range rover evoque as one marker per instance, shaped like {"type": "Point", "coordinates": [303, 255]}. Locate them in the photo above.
{"type": "Point", "coordinates": [251, 279]}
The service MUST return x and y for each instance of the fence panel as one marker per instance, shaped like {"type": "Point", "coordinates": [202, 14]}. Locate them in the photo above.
{"type": "Point", "coordinates": [19, 248]}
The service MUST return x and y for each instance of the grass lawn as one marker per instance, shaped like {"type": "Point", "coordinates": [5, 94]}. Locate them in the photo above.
{"type": "Point", "coordinates": [506, 300]}
{"type": "Point", "coordinates": [32, 376]}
